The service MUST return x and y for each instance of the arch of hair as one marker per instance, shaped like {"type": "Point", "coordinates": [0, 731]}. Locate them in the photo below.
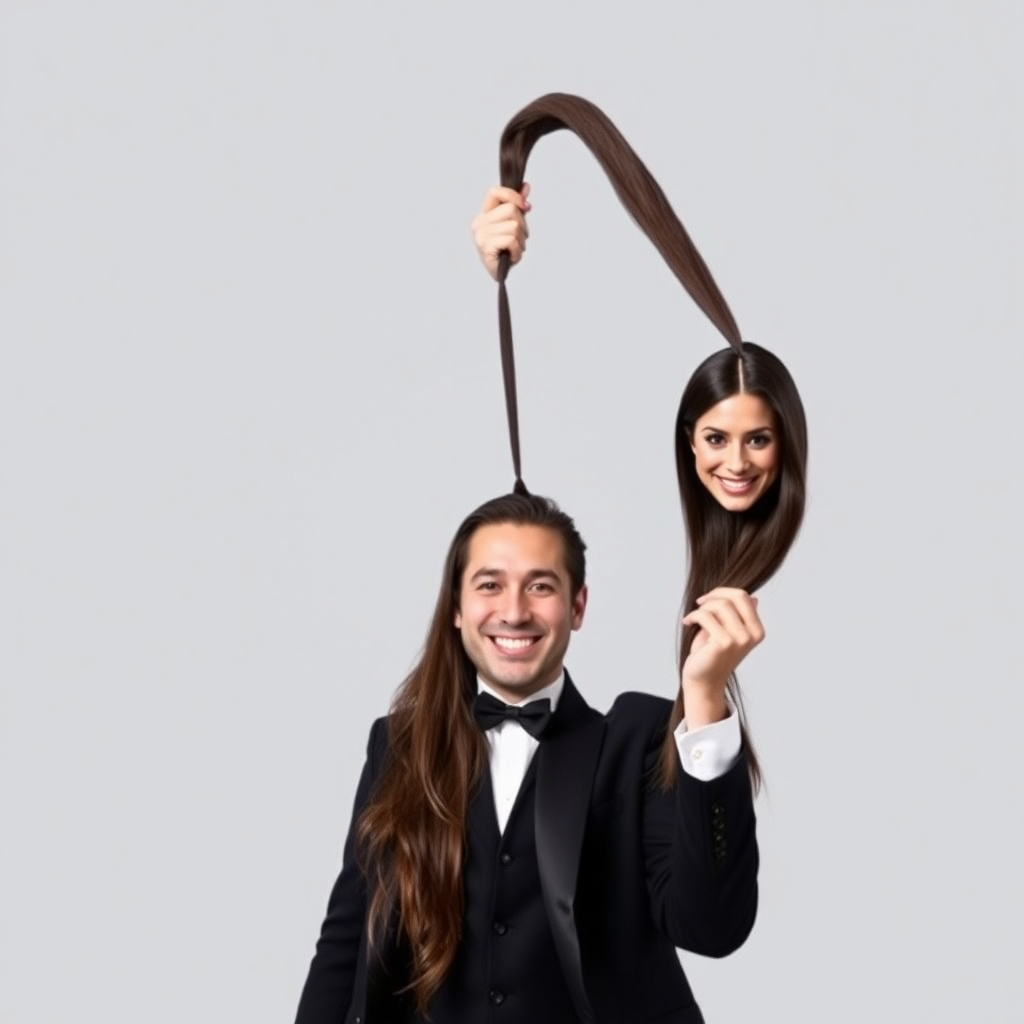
{"type": "Point", "coordinates": [725, 549]}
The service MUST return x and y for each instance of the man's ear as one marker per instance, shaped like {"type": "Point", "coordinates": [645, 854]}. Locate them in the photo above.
{"type": "Point", "coordinates": [579, 606]}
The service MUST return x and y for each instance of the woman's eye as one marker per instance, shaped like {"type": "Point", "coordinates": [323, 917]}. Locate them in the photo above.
{"type": "Point", "coordinates": [714, 439]}
{"type": "Point", "coordinates": [760, 441]}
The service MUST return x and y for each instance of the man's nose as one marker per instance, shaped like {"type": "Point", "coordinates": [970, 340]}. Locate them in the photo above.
{"type": "Point", "coordinates": [517, 608]}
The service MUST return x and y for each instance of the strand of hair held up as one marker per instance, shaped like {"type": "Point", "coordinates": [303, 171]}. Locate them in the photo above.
{"type": "Point", "coordinates": [639, 193]}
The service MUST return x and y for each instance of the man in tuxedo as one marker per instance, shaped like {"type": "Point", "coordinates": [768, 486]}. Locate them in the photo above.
{"type": "Point", "coordinates": [516, 856]}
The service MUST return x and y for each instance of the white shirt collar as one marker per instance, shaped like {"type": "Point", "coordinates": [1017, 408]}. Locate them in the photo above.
{"type": "Point", "coordinates": [553, 692]}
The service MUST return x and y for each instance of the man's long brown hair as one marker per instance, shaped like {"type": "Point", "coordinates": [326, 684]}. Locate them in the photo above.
{"type": "Point", "coordinates": [412, 834]}
{"type": "Point", "coordinates": [736, 549]}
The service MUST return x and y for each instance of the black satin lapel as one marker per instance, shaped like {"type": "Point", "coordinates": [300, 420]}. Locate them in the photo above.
{"type": "Point", "coordinates": [566, 761]}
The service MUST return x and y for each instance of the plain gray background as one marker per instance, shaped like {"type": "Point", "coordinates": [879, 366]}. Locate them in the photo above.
{"type": "Point", "coordinates": [249, 384]}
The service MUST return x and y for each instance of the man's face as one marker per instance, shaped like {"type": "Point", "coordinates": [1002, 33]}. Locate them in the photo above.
{"type": "Point", "coordinates": [516, 609]}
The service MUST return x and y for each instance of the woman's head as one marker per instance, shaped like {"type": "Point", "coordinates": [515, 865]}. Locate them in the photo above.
{"type": "Point", "coordinates": [739, 533]}
{"type": "Point", "coordinates": [741, 433]}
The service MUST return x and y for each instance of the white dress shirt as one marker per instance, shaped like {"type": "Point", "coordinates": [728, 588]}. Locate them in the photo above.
{"type": "Point", "coordinates": [705, 753]}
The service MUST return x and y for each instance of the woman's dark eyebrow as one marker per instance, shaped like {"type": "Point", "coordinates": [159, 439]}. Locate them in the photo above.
{"type": "Point", "coordinates": [747, 433]}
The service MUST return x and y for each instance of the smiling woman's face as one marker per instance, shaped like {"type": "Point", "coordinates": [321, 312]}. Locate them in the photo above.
{"type": "Point", "coordinates": [736, 449]}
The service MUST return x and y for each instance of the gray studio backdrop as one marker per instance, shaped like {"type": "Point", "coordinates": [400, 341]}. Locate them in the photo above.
{"type": "Point", "coordinates": [249, 384]}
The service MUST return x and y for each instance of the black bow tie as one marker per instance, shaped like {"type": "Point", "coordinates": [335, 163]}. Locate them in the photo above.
{"type": "Point", "coordinates": [533, 717]}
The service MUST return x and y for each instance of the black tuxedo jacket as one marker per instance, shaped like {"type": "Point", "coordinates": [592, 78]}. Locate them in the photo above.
{"type": "Point", "coordinates": [628, 874]}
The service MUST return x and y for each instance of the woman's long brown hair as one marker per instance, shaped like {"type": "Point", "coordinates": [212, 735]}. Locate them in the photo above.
{"type": "Point", "coordinates": [412, 834]}
{"type": "Point", "coordinates": [725, 548]}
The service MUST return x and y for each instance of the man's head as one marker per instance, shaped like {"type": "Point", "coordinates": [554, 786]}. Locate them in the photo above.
{"type": "Point", "coordinates": [515, 583]}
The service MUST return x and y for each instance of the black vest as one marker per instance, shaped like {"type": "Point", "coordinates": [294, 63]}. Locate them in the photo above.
{"type": "Point", "coordinates": [507, 970]}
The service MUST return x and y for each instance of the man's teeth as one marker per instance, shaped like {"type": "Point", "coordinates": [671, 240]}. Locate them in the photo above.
{"type": "Point", "coordinates": [513, 643]}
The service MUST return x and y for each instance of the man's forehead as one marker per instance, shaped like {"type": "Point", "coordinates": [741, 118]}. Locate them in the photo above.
{"type": "Point", "coordinates": [522, 547]}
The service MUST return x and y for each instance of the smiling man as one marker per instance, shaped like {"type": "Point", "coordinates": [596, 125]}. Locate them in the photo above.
{"type": "Point", "coordinates": [512, 856]}
{"type": "Point", "coordinates": [517, 607]}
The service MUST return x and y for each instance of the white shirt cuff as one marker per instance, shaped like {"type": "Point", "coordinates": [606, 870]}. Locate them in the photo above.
{"type": "Point", "coordinates": [710, 751]}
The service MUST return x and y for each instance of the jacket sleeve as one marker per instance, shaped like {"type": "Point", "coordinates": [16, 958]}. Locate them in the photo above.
{"type": "Point", "coordinates": [330, 984]}
{"type": "Point", "coordinates": [701, 856]}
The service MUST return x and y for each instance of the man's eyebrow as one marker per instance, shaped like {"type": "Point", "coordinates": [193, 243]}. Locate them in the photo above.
{"type": "Point", "coordinates": [536, 574]}
{"type": "Point", "coordinates": [533, 574]}
{"type": "Point", "coordinates": [485, 572]}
